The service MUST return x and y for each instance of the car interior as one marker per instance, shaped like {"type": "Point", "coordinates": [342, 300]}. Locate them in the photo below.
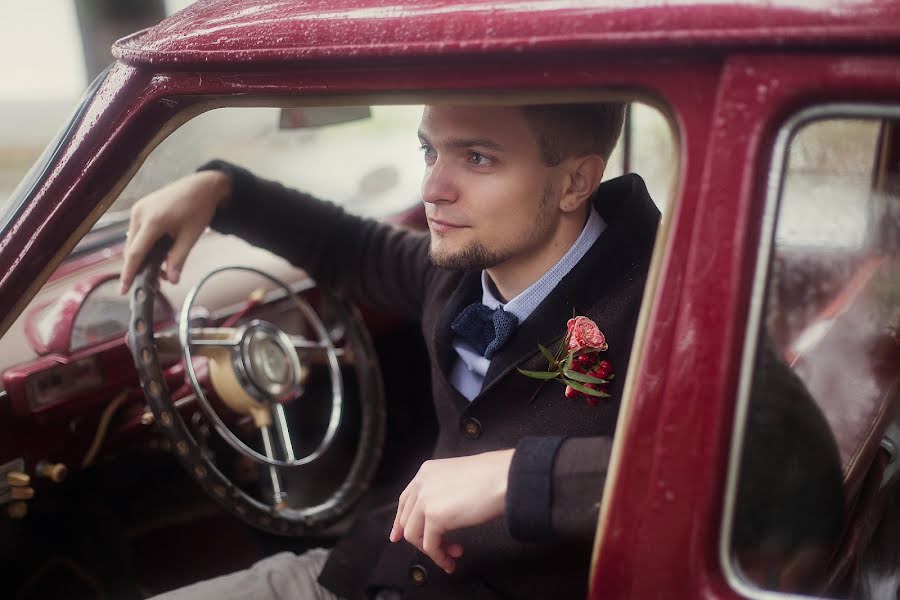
{"type": "Point", "coordinates": [139, 491]}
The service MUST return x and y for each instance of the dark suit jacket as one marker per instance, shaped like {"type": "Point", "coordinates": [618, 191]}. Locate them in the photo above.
{"type": "Point", "coordinates": [542, 548]}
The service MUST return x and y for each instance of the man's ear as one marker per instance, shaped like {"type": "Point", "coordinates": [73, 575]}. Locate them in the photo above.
{"type": "Point", "coordinates": [583, 176]}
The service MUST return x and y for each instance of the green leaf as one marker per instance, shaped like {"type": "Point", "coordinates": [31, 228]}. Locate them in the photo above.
{"type": "Point", "coordinates": [569, 374]}
{"type": "Point", "coordinates": [539, 374]}
{"type": "Point", "coordinates": [586, 390]}
{"type": "Point", "coordinates": [547, 354]}
{"type": "Point", "coordinates": [563, 347]}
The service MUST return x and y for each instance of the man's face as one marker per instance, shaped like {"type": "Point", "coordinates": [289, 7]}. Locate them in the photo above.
{"type": "Point", "coordinates": [489, 197]}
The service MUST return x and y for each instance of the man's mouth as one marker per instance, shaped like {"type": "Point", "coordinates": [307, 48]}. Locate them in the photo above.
{"type": "Point", "coordinates": [442, 226]}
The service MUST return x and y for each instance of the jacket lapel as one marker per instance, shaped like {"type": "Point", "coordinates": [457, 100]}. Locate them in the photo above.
{"type": "Point", "coordinates": [631, 219]}
{"type": "Point", "coordinates": [467, 292]}
{"type": "Point", "coordinates": [576, 293]}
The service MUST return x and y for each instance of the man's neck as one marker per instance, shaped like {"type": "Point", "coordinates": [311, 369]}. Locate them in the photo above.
{"type": "Point", "coordinates": [517, 274]}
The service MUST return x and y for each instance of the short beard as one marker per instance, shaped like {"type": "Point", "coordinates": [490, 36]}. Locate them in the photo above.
{"type": "Point", "coordinates": [475, 257]}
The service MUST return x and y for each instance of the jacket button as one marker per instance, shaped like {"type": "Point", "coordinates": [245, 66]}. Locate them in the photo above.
{"type": "Point", "coordinates": [418, 575]}
{"type": "Point", "coordinates": [471, 428]}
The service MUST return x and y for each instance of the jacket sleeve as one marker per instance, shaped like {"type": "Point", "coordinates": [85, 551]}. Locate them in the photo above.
{"type": "Point", "coordinates": [371, 262]}
{"type": "Point", "coordinates": [555, 487]}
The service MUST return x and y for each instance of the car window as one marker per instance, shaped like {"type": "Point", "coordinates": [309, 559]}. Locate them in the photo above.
{"type": "Point", "coordinates": [371, 163]}
{"type": "Point", "coordinates": [819, 386]}
{"type": "Point", "coordinates": [366, 158]}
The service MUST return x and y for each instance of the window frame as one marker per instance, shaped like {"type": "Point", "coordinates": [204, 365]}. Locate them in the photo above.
{"type": "Point", "coordinates": [774, 187]}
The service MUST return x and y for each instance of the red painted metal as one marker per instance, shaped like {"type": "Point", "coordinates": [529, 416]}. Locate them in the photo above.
{"type": "Point", "coordinates": [664, 499]}
{"type": "Point", "coordinates": [62, 431]}
{"type": "Point", "coordinates": [226, 32]}
{"type": "Point", "coordinates": [62, 312]}
{"type": "Point", "coordinates": [670, 489]}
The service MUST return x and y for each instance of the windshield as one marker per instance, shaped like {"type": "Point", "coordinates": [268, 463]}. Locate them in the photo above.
{"type": "Point", "coordinates": [369, 163]}
{"type": "Point", "coordinates": [38, 172]}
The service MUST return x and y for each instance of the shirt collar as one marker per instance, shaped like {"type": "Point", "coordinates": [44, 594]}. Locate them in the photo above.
{"type": "Point", "coordinates": [524, 304]}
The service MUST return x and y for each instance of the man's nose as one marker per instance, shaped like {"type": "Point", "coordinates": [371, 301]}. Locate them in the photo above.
{"type": "Point", "coordinates": [438, 184]}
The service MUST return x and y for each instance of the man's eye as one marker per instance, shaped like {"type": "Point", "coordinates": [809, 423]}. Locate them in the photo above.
{"type": "Point", "coordinates": [478, 159]}
{"type": "Point", "coordinates": [428, 152]}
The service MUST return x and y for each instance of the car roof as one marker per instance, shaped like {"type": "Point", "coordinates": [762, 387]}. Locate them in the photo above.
{"type": "Point", "coordinates": [227, 32]}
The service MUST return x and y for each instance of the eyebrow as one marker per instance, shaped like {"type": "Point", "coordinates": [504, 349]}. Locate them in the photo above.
{"type": "Point", "coordinates": [467, 142]}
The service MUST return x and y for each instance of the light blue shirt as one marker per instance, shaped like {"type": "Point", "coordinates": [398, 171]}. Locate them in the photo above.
{"type": "Point", "coordinates": [469, 368]}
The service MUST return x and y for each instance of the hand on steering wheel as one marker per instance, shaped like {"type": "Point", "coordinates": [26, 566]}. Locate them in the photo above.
{"type": "Point", "coordinates": [254, 369]}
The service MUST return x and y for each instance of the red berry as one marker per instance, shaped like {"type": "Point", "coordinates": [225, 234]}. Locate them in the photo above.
{"type": "Point", "coordinates": [570, 392]}
{"type": "Point", "coordinates": [592, 400]}
{"type": "Point", "coordinates": [604, 369]}
{"type": "Point", "coordinates": [584, 360]}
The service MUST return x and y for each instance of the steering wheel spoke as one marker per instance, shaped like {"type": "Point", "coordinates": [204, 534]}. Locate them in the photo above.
{"type": "Point", "coordinates": [316, 353]}
{"type": "Point", "coordinates": [284, 434]}
{"type": "Point", "coordinates": [279, 495]}
{"type": "Point", "coordinates": [226, 337]}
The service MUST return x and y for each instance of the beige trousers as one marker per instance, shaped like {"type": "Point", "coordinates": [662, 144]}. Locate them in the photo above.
{"type": "Point", "coordinates": [282, 576]}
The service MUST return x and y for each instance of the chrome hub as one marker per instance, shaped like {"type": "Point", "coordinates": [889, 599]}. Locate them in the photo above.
{"type": "Point", "coordinates": [266, 359]}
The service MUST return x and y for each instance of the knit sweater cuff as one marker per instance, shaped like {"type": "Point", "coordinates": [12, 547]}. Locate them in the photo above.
{"type": "Point", "coordinates": [529, 494]}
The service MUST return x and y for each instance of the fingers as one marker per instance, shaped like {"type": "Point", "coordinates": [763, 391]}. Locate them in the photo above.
{"type": "Point", "coordinates": [182, 209]}
{"type": "Point", "coordinates": [414, 528]}
{"type": "Point", "coordinates": [138, 245]}
{"type": "Point", "coordinates": [408, 507]}
{"type": "Point", "coordinates": [404, 506]}
{"type": "Point", "coordinates": [454, 550]}
{"type": "Point", "coordinates": [411, 524]}
{"type": "Point", "coordinates": [127, 274]}
{"type": "Point", "coordinates": [433, 546]}
{"type": "Point", "coordinates": [397, 529]}
{"type": "Point", "coordinates": [139, 241]}
{"type": "Point", "coordinates": [178, 255]}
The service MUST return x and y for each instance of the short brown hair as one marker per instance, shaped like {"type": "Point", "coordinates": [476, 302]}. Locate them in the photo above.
{"type": "Point", "coordinates": [565, 130]}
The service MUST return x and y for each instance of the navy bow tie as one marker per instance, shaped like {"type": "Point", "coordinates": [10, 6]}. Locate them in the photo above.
{"type": "Point", "coordinates": [485, 328]}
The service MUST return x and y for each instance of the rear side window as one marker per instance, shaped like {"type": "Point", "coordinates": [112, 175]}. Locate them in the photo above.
{"type": "Point", "coordinates": [814, 491]}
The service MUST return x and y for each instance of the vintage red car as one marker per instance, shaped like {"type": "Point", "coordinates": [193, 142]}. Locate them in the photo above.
{"type": "Point", "coordinates": [769, 136]}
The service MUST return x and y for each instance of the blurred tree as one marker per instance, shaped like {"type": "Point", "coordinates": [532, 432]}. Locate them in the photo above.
{"type": "Point", "coordinates": [102, 22]}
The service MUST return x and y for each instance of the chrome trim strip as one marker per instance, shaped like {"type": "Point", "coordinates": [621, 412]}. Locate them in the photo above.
{"type": "Point", "coordinates": [773, 194]}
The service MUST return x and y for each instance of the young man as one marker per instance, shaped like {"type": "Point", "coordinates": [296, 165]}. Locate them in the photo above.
{"type": "Point", "coordinates": [520, 239]}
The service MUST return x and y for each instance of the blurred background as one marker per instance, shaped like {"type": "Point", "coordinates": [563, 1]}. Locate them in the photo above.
{"type": "Point", "coordinates": [49, 51]}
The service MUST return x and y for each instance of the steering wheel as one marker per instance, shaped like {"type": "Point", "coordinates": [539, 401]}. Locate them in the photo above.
{"type": "Point", "coordinates": [256, 369]}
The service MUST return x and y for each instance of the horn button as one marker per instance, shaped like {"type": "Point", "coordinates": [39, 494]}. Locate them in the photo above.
{"type": "Point", "coordinates": [267, 361]}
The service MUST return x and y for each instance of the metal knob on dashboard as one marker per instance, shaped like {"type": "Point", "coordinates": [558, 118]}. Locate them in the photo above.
{"type": "Point", "coordinates": [17, 479]}
{"type": "Point", "coordinates": [55, 472]}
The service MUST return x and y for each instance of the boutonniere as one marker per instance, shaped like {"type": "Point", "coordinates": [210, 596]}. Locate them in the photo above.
{"type": "Point", "coordinates": [577, 362]}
